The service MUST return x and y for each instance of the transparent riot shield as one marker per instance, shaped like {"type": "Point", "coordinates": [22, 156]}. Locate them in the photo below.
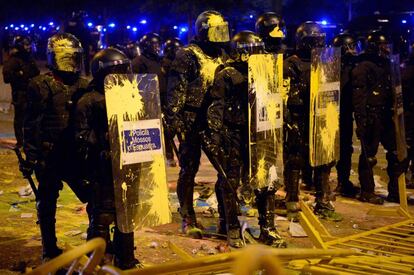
{"type": "Point", "coordinates": [324, 106]}
{"type": "Point", "coordinates": [137, 151]}
{"type": "Point", "coordinates": [398, 116]}
{"type": "Point", "coordinates": [265, 120]}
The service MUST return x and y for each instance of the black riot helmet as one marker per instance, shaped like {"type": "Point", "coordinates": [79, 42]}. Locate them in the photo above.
{"type": "Point", "coordinates": [378, 43]}
{"type": "Point", "coordinates": [171, 46]}
{"type": "Point", "coordinates": [244, 44]}
{"type": "Point", "coordinates": [309, 35]}
{"type": "Point", "coordinates": [211, 26]}
{"type": "Point", "coordinates": [347, 43]}
{"type": "Point", "coordinates": [150, 44]}
{"type": "Point", "coordinates": [132, 50]}
{"type": "Point", "coordinates": [64, 53]}
{"type": "Point", "coordinates": [22, 44]}
{"type": "Point", "coordinates": [109, 61]}
{"type": "Point", "coordinates": [272, 29]}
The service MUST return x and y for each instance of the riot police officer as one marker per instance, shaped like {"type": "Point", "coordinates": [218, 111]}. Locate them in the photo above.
{"type": "Point", "coordinates": [272, 29]}
{"type": "Point", "coordinates": [18, 70]}
{"type": "Point", "coordinates": [297, 67]}
{"type": "Point", "coordinates": [373, 107]}
{"type": "Point", "coordinates": [348, 45]}
{"type": "Point", "coordinates": [227, 118]}
{"type": "Point", "coordinates": [91, 131]}
{"type": "Point", "coordinates": [191, 76]}
{"type": "Point", "coordinates": [407, 79]}
{"type": "Point", "coordinates": [170, 48]}
{"type": "Point", "coordinates": [50, 100]}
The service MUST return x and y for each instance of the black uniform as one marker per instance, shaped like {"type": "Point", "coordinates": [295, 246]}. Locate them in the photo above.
{"type": "Point", "coordinates": [191, 76]}
{"type": "Point", "coordinates": [297, 135]}
{"type": "Point", "coordinates": [407, 78]}
{"type": "Point", "coordinates": [373, 103]}
{"type": "Point", "coordinates": [228, 130]}
{"type": "Point", "coordinates": [346, 124]}
{"type": "Point", "coordinates": [18, 70]}
{"type": "Point", "coordinates": [50, 97]}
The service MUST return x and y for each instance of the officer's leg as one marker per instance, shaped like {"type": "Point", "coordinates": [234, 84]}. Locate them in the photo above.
{"type": "Point", "coordinates": [48, 193]}
{"type": "Point", "coordinates": [395, 167]}
{"type": "Point", "coordinates": [221, 226]}
{"type": "Point", "coordinates": [18, 122]}
{"type": "Point", "coordinates": [324, 208]}
{"type": "Point", "coordinates": [265, 201]}
{"type": "Point", "coordinates": [367, 161]}
{"type": "Point", "coordinates": [190, 153]}
{"type": "Point", "coordinates": [292, 176]}
{"type": "Point", "coordinates": [345, 186]}
{"type": "Point", "coordinates": [169, 152]}
{"type": "Point", "coordinates": [124, 250]}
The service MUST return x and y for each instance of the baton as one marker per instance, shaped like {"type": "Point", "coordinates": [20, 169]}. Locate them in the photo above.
{"type": "Point", "coordinates": [28, 177]}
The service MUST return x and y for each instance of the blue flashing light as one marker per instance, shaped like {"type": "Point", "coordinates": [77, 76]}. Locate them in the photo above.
{"type": "Point", "coordinates": [111, 25]}
{"type": "Point", "coordinates": [22, 26]}
{"type": "Point", "coordinates": [26, 28]}
{"type": "Point", "coordinates": [90, 24]}
{"type": "Point", "coordinates": [11, 25]}
{"type": "Point", "coordinates": [17, 28]}
{"type": "Point", "coordinates": [51, 23]}
{"type": "Point", "coordinates": [128, 27]}
{"type": "Point", "coordinates": [175, 27]}
{"type": "Point", "coordinates": [104, 29]}
{"type": "Point", "coordinates": [183, 29]}
{"type": "Point", "coordinates": [143, 21]}
{"type": "Point", "coordinates": [57, 28]}
{"type": "Point", "coordinates": [44, 28]}
{"type": "Point", "coordinates": [404, 21]}
{"type": "Point", "coordinates": [40, 27]}
{"type": "Point", "coordinates": [251, 16]}
{"type": "Point", "coordinates": [324, 22]}
{"type": "Point", "coordinates": [6, 28]}
{"type": "Point", "coordinates": [134, 29]}
{"type": "Point", "coordinates": [32, 25]}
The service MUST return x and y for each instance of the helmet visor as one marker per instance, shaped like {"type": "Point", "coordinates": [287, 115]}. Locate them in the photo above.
{"type": "Point", "coordinates": [66, 59]}
{"type": "Point", "coordinates": [219, 33]}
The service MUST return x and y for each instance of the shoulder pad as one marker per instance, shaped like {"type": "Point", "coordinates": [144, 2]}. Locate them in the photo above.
{"type": "Point", "coordinates": [235, 76]}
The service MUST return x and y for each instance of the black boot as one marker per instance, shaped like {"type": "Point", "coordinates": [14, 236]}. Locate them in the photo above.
{"type": "Point", "coordinates": [269, 235]}
{"type": "Point", "coordinates": [124, 250]}
{"type": "Point", "coordinates": [48, 233]}
{"type": "Point", "coordinates": [221, 225]}
{"type": "Point", "coordinates": [292, 195]}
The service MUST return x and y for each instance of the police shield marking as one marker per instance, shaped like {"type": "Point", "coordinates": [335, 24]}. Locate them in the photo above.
{"type": "Point", "coordinates": [138, 165]}
{"type": "Point", "coordinates": [265, 119]}
{"type": "Point", "coordinates": [324, 106]}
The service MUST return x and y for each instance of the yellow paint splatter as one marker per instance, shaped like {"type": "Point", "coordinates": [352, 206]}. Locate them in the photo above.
{"type": "Point", "coordinates": [328, 133]}
{"type": "Point", "coordinates": [218, 30]}
{"type": "Point", "coordinates": [277, 32]}
{"type": "Point", "coordinates": [261, 175]}
{"type": "Point", "coordinates": [64, 55]}
{"type": "Point", "coordinates": [208, 66]}
{"type": "Point", "coordinates": [124, 188]}
{"type": "Point", "coordinates": [160, 206]}
{"type": "Point", "coordinates": [123, 101]}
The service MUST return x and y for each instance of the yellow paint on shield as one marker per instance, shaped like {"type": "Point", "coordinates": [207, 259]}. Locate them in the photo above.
{"type": "Point", "coordinates": [328, 133]}
{"type": "Point", "coordinates": [261, 175]}
{"type": "Point", "coordinates": [160, 206]}
{"type": "Point", "coordinates": [123, 102]}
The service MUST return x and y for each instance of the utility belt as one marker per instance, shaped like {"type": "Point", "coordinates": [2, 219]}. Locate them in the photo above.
{"type": "Point", "coordinates": [379, 108]}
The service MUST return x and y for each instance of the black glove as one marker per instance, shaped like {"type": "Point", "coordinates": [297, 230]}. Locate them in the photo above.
{"type": "Point", "coordinates": [27, 167]}
{"type": "Point", "coordinates": [212, 144]}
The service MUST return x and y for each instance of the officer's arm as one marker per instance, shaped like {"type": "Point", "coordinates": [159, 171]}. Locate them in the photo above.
{"type": "Point", "coordinates": [84, 135]}
{"type": "Point", "coordinates": [32, 121]}
{"type": "Point", "coordinates": [138, 67]}
{"type": "Point", "coordinates": [11, 71]}
{"type": "Point", "coordinates": [216, 109]}
{"type": "Point", "coordinates": [360, 93]}
{"type": "Point", "coordinates": [177, 88]}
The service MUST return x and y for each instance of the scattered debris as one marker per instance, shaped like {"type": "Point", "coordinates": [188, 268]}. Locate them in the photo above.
{"type": "Point", "coordinates": [355, 226]}
{"type": "Point", "coordinates": [25, 191]}
{"type": "Point", "coordinates": [153, 245]}
{"type": "Point", "coordinates": [84, 236]}
{"type": "Point", "coordinates": [73, 233]}
{"type": "Point", "coordinates": [280, 218]}
{"type": "Point", "coordinates": [14, 208]}
{"type": "Point", "coordinates": [296, 230]}
{"type": "Point", "coordinates": [1, 192]}
{"type": "Point", "coordinates": [26, 215]}
{"type": "Point", "coordinates": [223, 247]}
